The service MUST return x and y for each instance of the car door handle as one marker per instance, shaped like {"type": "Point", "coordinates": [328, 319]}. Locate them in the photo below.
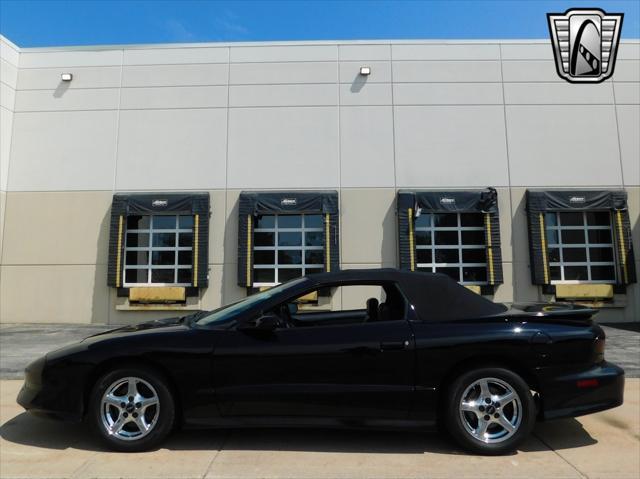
{"type": "Point", "coordinates": [393, 345]}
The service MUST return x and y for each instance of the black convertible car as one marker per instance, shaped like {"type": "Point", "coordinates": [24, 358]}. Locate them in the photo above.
{"type": "Point", "coordinates": [421, 351]}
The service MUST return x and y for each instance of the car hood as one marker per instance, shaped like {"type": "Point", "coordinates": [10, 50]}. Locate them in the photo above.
{"type": "Point", "coordinates": [166, 323]}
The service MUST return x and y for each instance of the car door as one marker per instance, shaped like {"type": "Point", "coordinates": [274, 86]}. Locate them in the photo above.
{"type": "Point", "coordinates": [337, 369]}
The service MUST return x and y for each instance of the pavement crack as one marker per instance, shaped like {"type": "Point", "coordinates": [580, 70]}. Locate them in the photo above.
{"type": "Point", "coordinates": [582, 474]}
{"type": "Point", "coordinates": [215, 456]}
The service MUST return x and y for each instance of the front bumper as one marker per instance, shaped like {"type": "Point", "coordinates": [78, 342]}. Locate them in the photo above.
{"type": "Point", "coordinates": [563, 397]}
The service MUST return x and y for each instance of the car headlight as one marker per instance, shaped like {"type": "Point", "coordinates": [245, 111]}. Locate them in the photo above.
{"type": "Point", "coordinates": [33, 372]}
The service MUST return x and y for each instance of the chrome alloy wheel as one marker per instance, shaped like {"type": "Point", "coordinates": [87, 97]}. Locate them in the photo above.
{"type": "Point", "coordinates": [491, 410]}
{"type": "Point", "coordinates": [130, 408]}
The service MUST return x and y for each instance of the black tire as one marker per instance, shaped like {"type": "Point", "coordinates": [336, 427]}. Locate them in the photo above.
{"type": "Point", "coordinates": [453, 419]}
{"type": "Point", "coordinates": [164, 416]}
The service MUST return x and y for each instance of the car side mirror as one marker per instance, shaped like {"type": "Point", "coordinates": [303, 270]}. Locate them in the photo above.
{"type": "Point", "coordinates": [266, 323]}
{"type": "Point", "coordinates": [293, 308]}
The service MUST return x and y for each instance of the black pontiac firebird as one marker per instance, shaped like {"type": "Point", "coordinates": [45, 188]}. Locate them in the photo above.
{"type": "Point", "coordinates": [427, 351]}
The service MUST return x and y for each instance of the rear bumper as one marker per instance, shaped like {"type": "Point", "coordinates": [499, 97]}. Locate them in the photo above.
{"type": "Point", "coordinates": [563, 397]}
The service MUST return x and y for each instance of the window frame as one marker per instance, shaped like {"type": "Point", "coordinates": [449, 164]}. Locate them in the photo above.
{"type": "Point", "coordinates": [276, 248]}
{"type": "Point", "coordinates": [150, 249]}
{"type": "Point", "coordinates": [585, 228]}
{"type": "Point", "coordinates": [433, 266]}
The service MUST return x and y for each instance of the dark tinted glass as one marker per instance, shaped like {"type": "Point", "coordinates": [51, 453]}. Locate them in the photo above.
{"type": "Point", "coordinates": [474, 255]}
{"type": "Point", "coordinates": [289, 221]}
{"type": "Point", "coordinates": [162, 276]}
{"type": "Point", "coordinates": [313, 238]}
{"type": "Point", "coordinates": [552, 236]}
{"type": "Point", "coordinates": [287, 274]}
{"type": "Point", "coordinates": [314, 257]}
{"type": "Point", "coordinates": [264, 257]}
{"type": "Point", "coordinates": [603, 273]}
{"type": "Point", "coordinates": [573, 236]}
{"type": "Point", "coordinates": [574, 255]}
{"type": "Point", "coordinates": [474, 274]}
{"type": "Point", "coordinates": [289, 239]}
{"type": "Point", "coordinates": [554, 272]}
{"type": "Point", "coordinates": [452, 272]}
{"type": "Point", "coordinates": [136, 275]}
{"type": "Point", "coordinates": [571, 219]}
{"type": "Point", "coordinates": [471, 219]}
{"type": "Point", "coordinates": [445, 220]}
{"type": "Point", "coordinates": [185, 239]}
{"type": "Point", "coordinates": [164, 222]}
{"type": "Point", "coordinates": [264, 239]}
{"type": "Point", "coordinates": [289, 257]}
{"type": "Point", "coordinates": [137, 258]}
{"type": "Point", "coordinates": [424, 255]}
{"type": "Point", "coordinates": [601, 254]}
{"type": "Point", "coordinates": [423, 237]}
{"type": "Point", "coordinates": [184, 276]}
{"type": "Point", "coordinates": [423, 221]}
{"type": "Point", "coordinates": [266, 221]}
{"type": "Point", "coordinates": [446, 237]}
{"type": "Point", "coordinates": [186, 222]}
{"type": "Point", "coordinates": [600, 236]}
{"type": "Point", "coordinates": [264, 275]}
{"type": "Point", "coordinates": [138, 239]}
{"type": "Point", "coordinates": [138, 222]}
{"type": "Point", "coordinates": [598, 218]}
{"type": "Point", "coordinates": [164, 258]}
{"type": "Point", "coordinates": [446, 256]}
{"type": "Point", "coordinates": [473, 237]}
{"type": "Point", "coordinates": [575, 273]}
{"type": "Point", "coordinates": [551, 219]}
{"type": "Point", "coordinates": [164, 239]}
{"type": "Point", "coordinates": [185, 257]}
{"type": "Point", "coordinates": [554, 255]}
{"type": "Point", "coordinates": [313, 221]}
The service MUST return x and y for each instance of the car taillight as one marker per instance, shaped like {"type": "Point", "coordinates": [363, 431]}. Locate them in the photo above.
{"type": "Point", "coordinates": [598, 350]}
{"type": "Point", "coordinates": [588, 383]}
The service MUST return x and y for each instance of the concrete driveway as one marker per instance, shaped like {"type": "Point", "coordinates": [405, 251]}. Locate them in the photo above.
{"type": "Point", "coordinates": [604, 445]}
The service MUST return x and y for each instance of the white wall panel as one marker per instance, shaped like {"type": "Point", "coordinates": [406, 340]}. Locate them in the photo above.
{"type": "Point", "coordinates": [364, 52]}
{"type": "Point", "coordinates": [365, 94]}
{"type": "Point", "coordinates": [558, 93]}
{"type": "Point", "coordinates": [6, 128]}
{"type": "Point", "coordinates": [278, 73]}
{"type": "Point", "coordinates": [283, 148]}
{"type": "Point", "coordinates": [174, 97]}
{"type": "Point", "coordinates": [8, 73]}
{"type": "Point", "coordinates": [446, 71]}
{"type": "Point", "coordinates": [284, 53]}
{"type": "Point", "coordinates": [366, 146]}
{"type": "Point", "coordinates": [627, 93]}
{"type": "Point", "coordinates": [447, 93]}
{"type": "Point", "coordinates": [530, 71]}
{"type": "Point", "coordinates": [527, 51]}
{"type": "Point", "coordinates": [63, 151]}
{"type": "Point", "coordinates": [282, 95]}
{"type": "Point", "coordinates": [173, 56]}
{"type": "Point", "coordinates": [66, 100]}
{"type": "Point", "coordinates": [83, 77]}
{"type": "Point", "coordinates": [563, 145]}
{"type": "Point", "coordinates": [350, 72]}
{"type": "Point", "coordinates": [445, 52]}
{"type": "Point", "coordinates": [445, 146]}
{"type": "Point", "coordinates": [175, 75]}
{"type": "Point", "coordinates": [171, 149]}
{"type": "Point", "coordinates": [629, 127]}
{"type": "Point", "coordinates": [80, 58]}
{"type": "Point", "coordinates": [627, 70]}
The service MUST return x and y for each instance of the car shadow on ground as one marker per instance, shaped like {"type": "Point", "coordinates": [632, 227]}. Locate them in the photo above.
{"type": "Point", "coordinates": [29, 430]}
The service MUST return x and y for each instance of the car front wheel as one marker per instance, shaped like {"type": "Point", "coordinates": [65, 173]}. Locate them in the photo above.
{"type": "Point", "coordinates": [132, 409]}
{"type": "Point", "coordinates": [490, 411]}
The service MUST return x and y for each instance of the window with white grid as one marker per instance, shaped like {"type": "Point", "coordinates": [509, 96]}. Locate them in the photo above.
{"type": "Point", "coordinates": [580, 247]}
{"type": "Point", "coordinates": [158, 250]}
{"type": "Point", "coordinates": [287, 246]}
{"type": "Point", "coordinates": [453, 244]}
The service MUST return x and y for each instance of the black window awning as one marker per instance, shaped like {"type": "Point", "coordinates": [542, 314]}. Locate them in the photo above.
{"type": "Point", "coordinates": [482, 201]}
{"type": "Point", "coordinates": [158, 203]}
{"type": "Point", "coordinates": [540, 202]}
{"type": "Point", "coordinates": [257, 203]}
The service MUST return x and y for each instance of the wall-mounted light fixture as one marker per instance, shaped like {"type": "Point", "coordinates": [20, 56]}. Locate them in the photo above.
{"type": "Point", "coordinates": [365, 71]}
{"type": "Point", "coordinates": [66, 76]}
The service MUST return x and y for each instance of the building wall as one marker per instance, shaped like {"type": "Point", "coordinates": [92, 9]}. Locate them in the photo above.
{"type": "Point", "coordinates": [226, 118]}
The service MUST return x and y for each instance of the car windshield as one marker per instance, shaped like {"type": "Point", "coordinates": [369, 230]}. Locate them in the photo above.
{"type": "Point", "coordinates": [233, 309]}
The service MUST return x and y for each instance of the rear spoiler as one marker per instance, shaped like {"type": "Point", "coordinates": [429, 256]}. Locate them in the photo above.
{"type": "Point", "coordinates": [567, 311]}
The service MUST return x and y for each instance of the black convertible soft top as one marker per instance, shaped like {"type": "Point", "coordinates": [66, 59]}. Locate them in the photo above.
{"type": "Point", "coordinates": [435, 296]}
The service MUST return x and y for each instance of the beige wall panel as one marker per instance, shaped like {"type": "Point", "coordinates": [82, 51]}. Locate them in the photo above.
{"type": "Point", "coordinates": [366, 146]}
{"type": "Point", "coordinates": [350, 72]}
{"type": "Point", "coordinates": [364, 52]}
{"type": "Point", "coordinates": [54, 294]}
{"type": "Point", "coordinates": [562, 93]}
{"type": "Point", "coordinates": [633, 201]}
{"type": "Point", "coordinates": [8, 74]}
{"type": "Point", "coordinates": [175, 55]}
{"type": "Point", "coordinates": [282, 95]}
{"type": "Point", "coordinates": [231, 292]}
{"type": "Point", "coordinates": [217, 226]}
{"type": "Point", "coordinates": [447, 93]}
{"type": "Point", "coordinates": [628, 128]}
{"type": "Point", "coordinates": [368, 225]}
{"type": "Point", "coordinates": [211, 297]}
{"type": "Point", "coordinates": [523, 289]}
{"type": "Point", "coordinates": [627, 93]}
{"type": "Point", "coordinates": [504, 293]}
{"type": "Point", "coordinates": [365, 94]}
{"type": "Point", "coordinates": [6, 129]}
{"type": "Point", "coordinates": [172, 149]}
{"type": "Point", "coordinates": [57, 228]}
{"type": "Point", "coordinates": [278, 147]}
{"type": "Point", "coordinates": [275, 73]}
{"type": "Point", "coordinates": [64, 99]}
{"type": "Point", "coordinates": [446, 71]}
{"type": "Point", "coordinates": [63, 151]}
{"type": "Point", "coordinates": [173, 97]}
{"type": "Point", "coordinates": [355, 297]}
{"type": "Point", "coordinates": [467, 51]}
{"type": "Point", "coordinates": [67, 59]}
{"type": "Point", "coordinates": [231, 230]}
{"type": "Point", "coordinates": [83, 77]}
{"type": "Point", "coordinates": [175, 75]}
{"type": "Point", "coordinates": [504, 210]}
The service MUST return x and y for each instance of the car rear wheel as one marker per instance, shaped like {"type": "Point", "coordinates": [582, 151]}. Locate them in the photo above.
{"type": "Point", "coordinates": [132, 409]}
{"type": "Point", "coordinates": [490, 411]}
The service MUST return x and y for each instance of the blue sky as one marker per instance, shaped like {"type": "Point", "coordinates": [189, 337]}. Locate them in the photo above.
{"type": "Point", "coordinates": [88, 22]}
